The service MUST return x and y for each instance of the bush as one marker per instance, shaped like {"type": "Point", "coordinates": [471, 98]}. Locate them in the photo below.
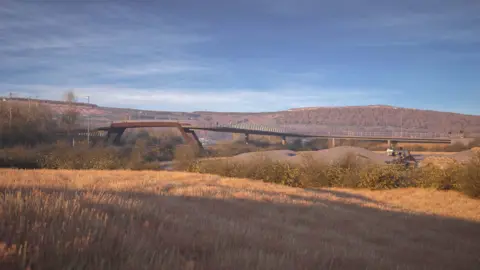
{"type": "Point", "coordinates": [23, 157]}
{"type": "Point", "coordinates": [280, 173]}
{"type": "Point", "coordinates": [137, 154]}
{"type": "Point", "coordinates": [311, 173]}
{"type": "Point", "coordinates": [383, 177]}
{"type": "Point", "coordinates": [468, 178]}
{"type": "Point", "coordinates": [82, 157]}
{"type": "Point", "coordinates": [185, 157]}
{"type": "Point", "coordinates": [156, 146]}
{"type": "Point", "coordinates": [314, 174]}
{"type": "Point", "coordinates": [259, 169]}
{"type": "Point", "coordinates": [435, 177]}
{"type": "Point", "coordinates": [25, 125]}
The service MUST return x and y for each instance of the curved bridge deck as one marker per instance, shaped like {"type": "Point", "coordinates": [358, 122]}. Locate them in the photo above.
{"type": "Point", "coordinates": [116, 129]}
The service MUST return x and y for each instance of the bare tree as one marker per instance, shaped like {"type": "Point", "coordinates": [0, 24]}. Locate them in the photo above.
{"type": "Point", "coordinates": [69, 96]}
{"type": "Point", "coordinates": [70, 116]}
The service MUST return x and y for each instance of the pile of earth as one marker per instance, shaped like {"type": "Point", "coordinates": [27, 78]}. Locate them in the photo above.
{"type": "Point", "coordinates": [449, 160]}
{"type": "Point", "coordinates": [327, 156]}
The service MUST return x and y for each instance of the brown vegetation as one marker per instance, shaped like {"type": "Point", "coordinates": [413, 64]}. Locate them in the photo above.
{"type": "Point", "coordinates": [32, 136]}
{"type": "Point", "coordinates": [348, 172]}
{"type": "Point", "coordinates": [158, 220]}
{"type": "Point", "coordinates": [25, 124]}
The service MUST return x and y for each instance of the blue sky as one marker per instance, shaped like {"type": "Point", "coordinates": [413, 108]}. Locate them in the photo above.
{"type": "Point", "coordinates": [250, 55]}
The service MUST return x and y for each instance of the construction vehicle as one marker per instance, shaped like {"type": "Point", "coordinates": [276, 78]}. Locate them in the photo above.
{"type": "Point", "coordinates": [403, 156]}
{"type": "Point", "coordinates": [391, 151]}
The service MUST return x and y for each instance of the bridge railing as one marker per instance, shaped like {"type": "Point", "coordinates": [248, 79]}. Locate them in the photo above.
{"type": "Point", "coordinates": [309, 131]}
{"type": "Point", "coordinates": [313, 131]}
{"type": "Point", "coordinates": [382, 134]}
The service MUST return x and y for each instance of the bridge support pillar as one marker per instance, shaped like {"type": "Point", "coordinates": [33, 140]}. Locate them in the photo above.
{"type": "Point", "coordinates": [116, 133]}
{"type": "Point", "coordinates": [197, 140]}
{"type": "Point", "coordinates": [246, 138]}
{"type": "Point", "coordinates": [284, 140]}
{"type": "Point", "coordinates": [331, 142]}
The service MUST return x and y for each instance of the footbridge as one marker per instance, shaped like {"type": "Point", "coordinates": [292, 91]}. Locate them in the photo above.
{"type": "Point", "coordinates": [116, 129]}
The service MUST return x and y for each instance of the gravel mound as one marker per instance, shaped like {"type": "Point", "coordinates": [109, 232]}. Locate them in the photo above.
{"type": "Point", "coordinates": [464, 156]}
{"type": "Point", "coordinates": [338, 154]}
{"type": "Point", "coordinates": [327, 156]}
{"type": "Point", "coordinates": [439, 161]}
{"type": "Point", "coordinates": [445, 161]}
{"type": "Point", "coordinates": [274, 155]}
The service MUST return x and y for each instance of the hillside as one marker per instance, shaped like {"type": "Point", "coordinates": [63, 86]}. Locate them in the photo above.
{"type": "Point", "coordinates": [381, 118]}
{"type": "Point", "coordinates": [161, 220]}
{"type": "Point", "coordinates": [373, 118]}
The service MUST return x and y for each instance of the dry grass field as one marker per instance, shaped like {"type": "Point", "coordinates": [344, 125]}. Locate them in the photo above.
{"type": "Point", "coordinates": [165, 220]}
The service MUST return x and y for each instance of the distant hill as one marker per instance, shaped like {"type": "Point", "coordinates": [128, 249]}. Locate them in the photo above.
{"type": "Point", "coordinates": [374, 118]}
{"type": "Point", "coordinates": [382, 118]}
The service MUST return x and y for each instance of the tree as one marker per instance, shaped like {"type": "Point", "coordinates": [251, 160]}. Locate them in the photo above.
{"type": "Point", "coordinates": [70, 116]}
{"type": "Point", "coordinates": [69, 96]}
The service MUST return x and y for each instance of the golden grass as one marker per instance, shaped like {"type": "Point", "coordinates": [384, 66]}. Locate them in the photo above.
{"type": "Point", "coordinates": [164, 220]}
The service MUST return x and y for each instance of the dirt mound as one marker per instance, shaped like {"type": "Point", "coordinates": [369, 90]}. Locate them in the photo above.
{"type": "Point", "coordinates": [453, 159]}
{"type": "Point", "coordinates": [328, 156]}
{"type": "Point", "coordinates": [463, 156]}
{"type": "Point", "coordinates": [441, 162]}
{"type": "Point", "coordinates": [339, 154]}
{"type": "Point", "coordinates": [274, 155]}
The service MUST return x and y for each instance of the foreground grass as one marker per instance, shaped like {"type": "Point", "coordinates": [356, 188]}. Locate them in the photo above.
{"type": "Point", "coordinates": [161, 220]}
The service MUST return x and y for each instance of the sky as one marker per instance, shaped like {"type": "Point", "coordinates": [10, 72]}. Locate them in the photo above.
{"type": "Point", "coordinates": [244, 56]}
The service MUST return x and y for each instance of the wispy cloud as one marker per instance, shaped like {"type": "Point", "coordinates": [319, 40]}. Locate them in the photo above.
{"type": "Point", "coordinates": [248, 55]}
{"type": "Point", "coordinates": [164, 67]}
{"type": "Point", "coordinates": [212, 99]}
{"type": "Point", "coordinates": [76, 43]}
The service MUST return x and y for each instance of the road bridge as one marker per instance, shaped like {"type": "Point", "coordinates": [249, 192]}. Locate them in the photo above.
{"type": "Point", "coordinates": [187, 130]}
